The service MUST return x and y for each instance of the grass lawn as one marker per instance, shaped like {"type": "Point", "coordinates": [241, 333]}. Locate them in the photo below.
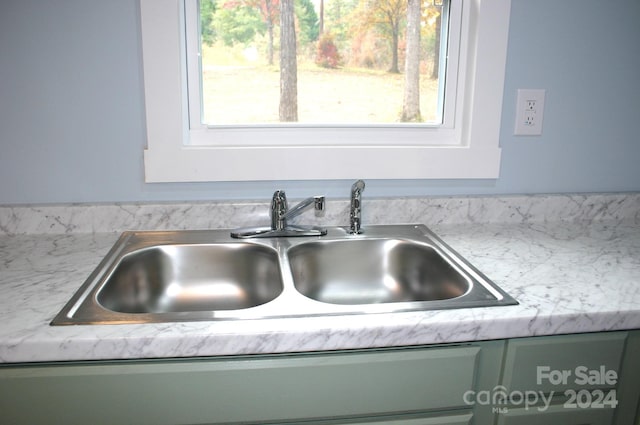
{"type": "Point", "coordinates": [249, 94]}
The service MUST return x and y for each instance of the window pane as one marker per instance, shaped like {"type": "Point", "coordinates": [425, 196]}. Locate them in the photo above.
{"type": "Point", "coordinates": [350, 67]}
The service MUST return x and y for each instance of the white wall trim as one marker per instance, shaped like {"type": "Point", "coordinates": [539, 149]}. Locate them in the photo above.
{"type": "Point", "coordinates": [170, 157]}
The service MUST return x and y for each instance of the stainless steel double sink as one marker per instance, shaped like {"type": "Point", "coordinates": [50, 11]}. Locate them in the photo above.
{"type": "Point", "coordinates": [167, 276]}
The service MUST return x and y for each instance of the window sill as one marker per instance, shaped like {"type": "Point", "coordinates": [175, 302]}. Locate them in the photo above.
{"type": "Point", "coordinates": [196, 164]}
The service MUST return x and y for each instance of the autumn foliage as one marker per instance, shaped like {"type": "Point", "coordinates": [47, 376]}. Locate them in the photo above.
{"type": "Point", "coordinates": [327, 55]}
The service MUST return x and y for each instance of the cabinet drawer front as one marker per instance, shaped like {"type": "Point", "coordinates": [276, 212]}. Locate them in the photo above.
{"type": "Point", "coordinates": [459, 419]}
{"type": "Point", "coordinates": [242, 390]}
{"type": "Point", "coordinates": [550, 363]}
{"type": "Point", "coordinates": [557, 415]}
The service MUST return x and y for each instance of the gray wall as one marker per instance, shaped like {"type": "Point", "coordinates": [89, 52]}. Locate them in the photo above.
{"type": "Point", "coordinates": [71, 107]}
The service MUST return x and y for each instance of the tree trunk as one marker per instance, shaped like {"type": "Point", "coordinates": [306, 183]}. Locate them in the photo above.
{"type": "Point", "coordinates": [288, 64]}
{"type": "Point", "coordinates": [321, 24]}
{"type": "Point", "coordinates": [411, 102]}
{"type": "Point", "coordinates": [394, 48]}
{"type": "Point", "coordinates": [269, 7]}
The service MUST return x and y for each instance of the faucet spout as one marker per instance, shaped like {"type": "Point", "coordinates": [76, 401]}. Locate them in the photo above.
{"type": "Point", "coordinates": [280, 214]}
{"type": "Point", "coordinates": [318, 205]}
{"type": "Point", "coordinates": [355, 214]}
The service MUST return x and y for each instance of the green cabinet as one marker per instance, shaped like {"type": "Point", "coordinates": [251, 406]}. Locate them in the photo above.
{"type": "Point", "coordinates": [452, 384]}
{"type": "Point", "coordinates": [249, 389]}
{"type": "Point", "coordinates": [573, 379]}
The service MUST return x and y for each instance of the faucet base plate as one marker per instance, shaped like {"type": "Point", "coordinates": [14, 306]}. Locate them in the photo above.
{"type": "Point", "coordinates": [268, 232]}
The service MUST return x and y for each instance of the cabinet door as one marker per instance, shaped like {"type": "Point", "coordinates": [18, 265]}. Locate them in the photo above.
{"type": "Point", "coordinates": [527, 358]}
{"type": "Point", "coordinates": [254, 389]}
{"type": "Point", "coordinates": [554, 365]}
{"type": "Point", "coordinates": [629, 385]}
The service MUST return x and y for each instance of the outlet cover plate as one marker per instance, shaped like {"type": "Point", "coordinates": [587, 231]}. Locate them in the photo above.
{"type": "Point", "coordinates": [529, 112]}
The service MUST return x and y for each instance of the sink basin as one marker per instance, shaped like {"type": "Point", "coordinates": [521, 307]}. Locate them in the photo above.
{"type": "Point", "coordinates": [165, 276]}
{"type": "Point", "coordinates": [372, 271]}
{"type": "Point", "coordinates": [181, 278]}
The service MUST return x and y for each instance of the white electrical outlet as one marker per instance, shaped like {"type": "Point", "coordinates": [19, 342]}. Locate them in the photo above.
{"type": "Point", "coordinates": [529, 112]}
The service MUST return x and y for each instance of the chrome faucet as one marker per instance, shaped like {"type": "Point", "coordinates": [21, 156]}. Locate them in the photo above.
{"type": "Point", "coordinates": [280, 214]}
{"type": "Point", "coordinates": [355, 219]}
{"type": "Point", "coordinates": [280, 211]}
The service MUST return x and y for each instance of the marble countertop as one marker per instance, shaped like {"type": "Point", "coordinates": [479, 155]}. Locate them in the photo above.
{"type": "Point", "coordinates": [568, 277]}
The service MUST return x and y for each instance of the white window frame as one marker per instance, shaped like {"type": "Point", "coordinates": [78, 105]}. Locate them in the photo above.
{"type": "Point", "coordinates": [201, 134]}
{"type": "Point", "coordinates": [466, 147]}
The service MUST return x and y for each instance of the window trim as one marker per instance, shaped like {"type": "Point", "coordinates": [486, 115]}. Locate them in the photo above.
{"type": "Point", "coordinates": [327, 153]}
